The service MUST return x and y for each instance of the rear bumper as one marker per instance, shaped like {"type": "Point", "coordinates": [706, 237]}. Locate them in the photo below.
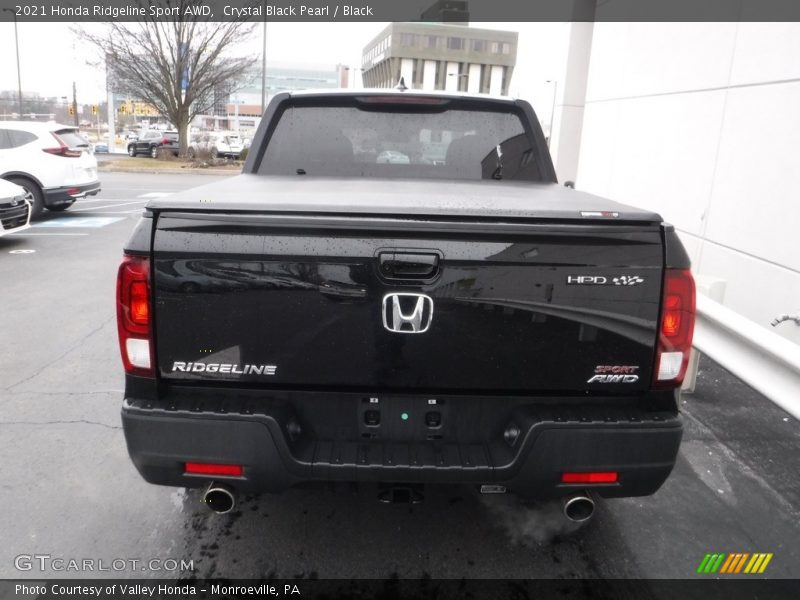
{"type": "Point", "coordinates": [68, 194]}
{"type": "Point", "coordinates": [276, 454]}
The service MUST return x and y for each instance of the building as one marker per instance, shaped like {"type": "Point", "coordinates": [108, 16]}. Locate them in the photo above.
{"type": "Point", "coordinates": [698, 122]}
{"type": "Point", "coordinates": [447, 11]}
{"type": "Point", "coordinates": [240, 110]}
{"type": "Point", "coordinates": [438, 56]}
{"type": "Point", "coordinates": [282, 79]}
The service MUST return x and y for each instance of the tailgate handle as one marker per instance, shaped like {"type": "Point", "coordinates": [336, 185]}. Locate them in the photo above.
{"type": "Point", "coordinates": [406, 265]}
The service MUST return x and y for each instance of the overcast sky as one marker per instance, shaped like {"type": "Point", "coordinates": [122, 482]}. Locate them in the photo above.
{"type": "Point", "coordinates": [51, 57]}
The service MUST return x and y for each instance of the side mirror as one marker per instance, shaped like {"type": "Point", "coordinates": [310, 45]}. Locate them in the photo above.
{"type": "Point", "coordinates": [569, 184]}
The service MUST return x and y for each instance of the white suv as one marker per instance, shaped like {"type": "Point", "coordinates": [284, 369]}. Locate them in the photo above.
{"type": "Point", "coordinates": [15, 210]}
{"type": "Point", "coordinates": [217, 144]}
{"type": "Point", "coordinates": [52, 162]}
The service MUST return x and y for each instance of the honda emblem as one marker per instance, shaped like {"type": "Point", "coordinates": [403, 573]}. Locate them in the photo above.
{"type": "Point", "coordinates": [407, 313]}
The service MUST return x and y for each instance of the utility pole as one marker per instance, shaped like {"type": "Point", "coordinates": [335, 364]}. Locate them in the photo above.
{"type": "Point", "coordinates": [112, 133]}
{"type": "Point", "coordinates": [19, 76]}
{"type": "Point", "coordinates": [264, 69]}
{"type": "Point", "coordinates": [552, 111]}
{"type": "Point", "coordinates": [75, 103]}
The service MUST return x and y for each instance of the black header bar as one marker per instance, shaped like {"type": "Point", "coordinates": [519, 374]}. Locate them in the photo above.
{"type": "Point", "coordinates": [402, 10]}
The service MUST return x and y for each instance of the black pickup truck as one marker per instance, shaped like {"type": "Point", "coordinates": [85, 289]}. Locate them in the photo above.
{"type": "Point", "coordinates": [397, 290]}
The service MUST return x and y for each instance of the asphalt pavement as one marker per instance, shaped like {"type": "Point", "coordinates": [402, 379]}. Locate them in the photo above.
{"type": "Point", "coordinates": [69, 490]}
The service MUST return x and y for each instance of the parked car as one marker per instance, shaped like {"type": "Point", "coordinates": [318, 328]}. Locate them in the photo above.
{"type": "Point", "coordinates": [52, 162]}
{"type": "Point", "coordinates": [392, 157]}
{"type": "Point", "coordinates": [153, 142]}
{"type": "Point", "coordinates": [101, 148]}
{"type": "Point", "coordinates": [15, 210]}
{"type": "Point", "coordinates": [216, 144]}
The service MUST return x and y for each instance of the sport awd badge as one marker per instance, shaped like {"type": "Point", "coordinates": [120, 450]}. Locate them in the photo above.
{"type": "Point", "coordinates": [614, 374]}
{"type": "Point", "coordinates": [407, 313]}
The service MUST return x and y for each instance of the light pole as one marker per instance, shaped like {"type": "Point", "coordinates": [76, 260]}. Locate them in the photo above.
{"type": "Point", "coordinates": [264, 66]}
{"type": "Point", "coordinates": [16, 44]}
{"type": "Point", "coordinates": [552, 110]}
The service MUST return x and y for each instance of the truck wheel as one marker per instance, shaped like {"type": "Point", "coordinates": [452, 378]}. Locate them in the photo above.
{"type": "Point", "coordinates": [33, 194]}
{"type": "Point", "coordinates": [131, 150]}
{"type": "Point", "coordinates": [154, 152]}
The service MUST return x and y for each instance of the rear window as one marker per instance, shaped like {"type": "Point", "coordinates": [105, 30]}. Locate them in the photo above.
{"type": "Point", "coordinates": [71, 138]}
{"type": "Point", "coordinates": [353, 141]}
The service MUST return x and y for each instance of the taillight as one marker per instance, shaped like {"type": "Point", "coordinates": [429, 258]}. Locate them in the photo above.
{"type": "Point", "coordinates": [165, 141]}
{"type": "Point", "coordinates": [134, 321]}
{"type": "Point", "coordinates": [62, 149]}
{"type": "Point", "coordinates": [676, 327]}
{"type": "Point", "coordinates": [592, 477]}
{"type": "Point", "coordinates": [193, 468]}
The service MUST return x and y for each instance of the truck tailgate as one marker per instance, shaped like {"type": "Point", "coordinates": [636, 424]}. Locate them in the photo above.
{"type": "Point", "coordinates": [327, 301]}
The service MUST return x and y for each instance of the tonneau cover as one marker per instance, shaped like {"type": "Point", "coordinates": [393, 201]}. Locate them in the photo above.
{"type": "Point", "coordinates": [333, 195]}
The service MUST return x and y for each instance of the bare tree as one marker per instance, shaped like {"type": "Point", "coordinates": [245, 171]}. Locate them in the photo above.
{"type": "Point", "coordinates": [178, 65]}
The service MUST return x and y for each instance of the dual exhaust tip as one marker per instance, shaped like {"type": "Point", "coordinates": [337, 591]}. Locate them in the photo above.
{"type": "Point", "coordinates": [220, 498]}
{"type": "Point", "coordinates": [579, 508]}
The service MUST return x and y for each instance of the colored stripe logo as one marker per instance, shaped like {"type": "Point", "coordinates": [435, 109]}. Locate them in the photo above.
{"type": "Point", "coordinates": [735, 563]}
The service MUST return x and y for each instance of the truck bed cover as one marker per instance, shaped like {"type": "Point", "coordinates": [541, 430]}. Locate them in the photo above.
{"type": "Point", "coordinates": [332, 195]}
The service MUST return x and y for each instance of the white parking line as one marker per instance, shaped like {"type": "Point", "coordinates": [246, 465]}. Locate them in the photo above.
{"type": "Point", "coordinates": [83, 201]}
{"type": "Point", "coordinates": [155, 195]}
{"type": "Point", "coordinates": [109, 205]}
{"type": "Point", "coordinates": [26, 233]}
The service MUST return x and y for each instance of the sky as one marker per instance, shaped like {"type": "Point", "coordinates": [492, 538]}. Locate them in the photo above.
{"type": "Point", "coordinates": [51, 56]}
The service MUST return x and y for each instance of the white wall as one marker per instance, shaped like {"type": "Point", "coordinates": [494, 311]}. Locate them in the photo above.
{"type": "Point", "coordinates": [701, 122]}
{"type": "Point", "coordinates": [429, 75]}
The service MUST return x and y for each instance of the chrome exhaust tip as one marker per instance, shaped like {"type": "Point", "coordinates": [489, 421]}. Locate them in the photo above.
{"type": "Point", "coordinates": [220, 498]}
{"type": "Point", "coordinates": [579, 508]}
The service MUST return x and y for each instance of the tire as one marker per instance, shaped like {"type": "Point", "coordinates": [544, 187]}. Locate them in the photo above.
{"type": "Point", "coordinates": [60, 207]}
{"type": "Point", "coordinates": [154, 152]}
{"type": "Point", "coordinates": [132, 151]}
{"type": "Point", "coordinates": [33, 193]}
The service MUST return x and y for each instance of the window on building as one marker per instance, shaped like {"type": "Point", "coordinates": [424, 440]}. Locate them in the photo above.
{"type": "Point", "coordinates": [455, 43]}
{"type": "Point", "coordinates": [408, 40]}
{"type": "Point", "coordinates": [479, 45]}
{"type": "Point", "coordinates": [433, 41]}
{"type": "Point", "coordinates": [505, 48]}
{"type": "Point", "coordinates": [483, 86]}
